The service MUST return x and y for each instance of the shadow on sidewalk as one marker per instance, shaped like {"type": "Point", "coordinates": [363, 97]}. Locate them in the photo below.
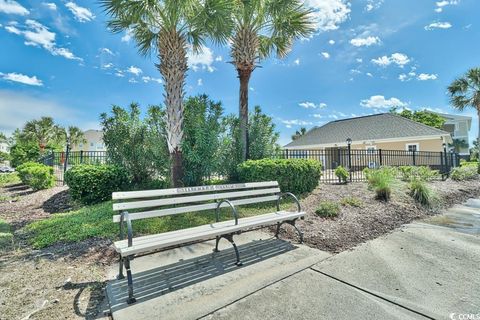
{"type": "Point", "coordinates": [165, 279]}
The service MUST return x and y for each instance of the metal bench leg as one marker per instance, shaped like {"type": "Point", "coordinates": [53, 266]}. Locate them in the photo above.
{"type": "Point", "coordinates": [217, 240]}
{"type": "Point", "coordinates": [130, 299]}
{"type": "Point", "coordinates": [229, 237]}
{"type": "Point", "coordinates": [120, 269]}
{"type": "Point", "coordinates": [292, 223]}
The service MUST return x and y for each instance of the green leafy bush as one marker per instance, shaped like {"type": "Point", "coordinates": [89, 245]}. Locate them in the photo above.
{"type": "Point", "coordinates": [424, 173]}
{"type": "Point", "coordinates": [382, 181]}
{"type": "Point", "coordinates": [464, 173]}
{"type": "Point", "coordinates": [9, 178]}
{"type": "Point", "coordinates": [95, 183]}
{"type": "Point", "coordinates": [342, 174]}
{"type": "Point", "coordinates": [327, 209]}
{"type": "Point", "coordinates": [421, 192]}
{"type": "Point", "coordinates": [36, 175]}
{"type": "Point", "coordinates": [6, 237]}
{"type": "Point", "coordinates": [293, 175]}
{"type": "Point", "coordinates": [352, 201]}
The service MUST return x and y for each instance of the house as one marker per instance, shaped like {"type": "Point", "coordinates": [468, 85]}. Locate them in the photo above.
{"type": "Point", "coordinates": [458, 127]}
{"type": "Point", "coordinates": [384, 131]}
{"type": "Point", "coordinates": [4, 147]}
{"type": "Point", "coordinates": [94, 142]}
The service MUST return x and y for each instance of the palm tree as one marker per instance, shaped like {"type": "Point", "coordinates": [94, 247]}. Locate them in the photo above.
{"type": "Point", "coordinates": [74, 136]}
{"type": "Point", "coordinates": [459, 144]}
{"type": "Point", "coordinates": [44, 131]}
{"type": "Point", "coordinates": [465, 93]}
{"type": "Point", "coordinates": [169, 28]}
{"type": "Point", "coordinates": [263, 28]}
{"type": "Point", "coordinates": [300, 133]}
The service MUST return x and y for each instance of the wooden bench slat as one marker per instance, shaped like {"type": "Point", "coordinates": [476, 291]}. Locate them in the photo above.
{"type": "Point", "coordinates": [194, 208]}
{"type": "Point", "coordinates": [189, 199]}
{"type": "Point", "coordinates": [201, 233]}
{"type": "Point", "coordinates": [189, 190]}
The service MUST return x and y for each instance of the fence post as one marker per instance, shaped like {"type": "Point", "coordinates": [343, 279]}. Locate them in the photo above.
{"type": "Point", "coordinates": [286, 153]}
{"type": "Point", "coordinates": [380, 158]}
{"type": "Point", "coordinates": [81, 156]}
{"type": "Point", "coordinates": [413, 157]}
{"type": "Point", "coordinates": [65, 164]}
{"type": "Point", "coordinates": [349, 160]}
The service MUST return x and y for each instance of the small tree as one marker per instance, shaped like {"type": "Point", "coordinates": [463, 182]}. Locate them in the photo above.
{"type": "Point", "coordinates": [45, 132]}
{"type": "Point", "coordinates": [423, 116]}
{"type": "Point", "coordinates": [298, 133]}
{"type": "Point", "coordinates": [136, 145]}
{"type": "Point", "coordinates": [201, 143]}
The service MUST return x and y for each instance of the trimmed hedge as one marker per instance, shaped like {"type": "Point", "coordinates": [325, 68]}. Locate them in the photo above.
{"type": "Point", "coordinates": [464, 173]}
{"type": "Point", "coordinates": [293, 175]}
{"type": "Point", "coordinates": [36, 175]}
{"type": "Point", "coordinates": [95, 183]}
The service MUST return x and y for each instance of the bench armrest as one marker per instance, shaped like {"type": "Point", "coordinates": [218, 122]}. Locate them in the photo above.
{"type": "Point", "coordinates": [282, 195]}
{"type": "Point", "coordinates": [125, 217]}
{"type": "Point", "coordinates": [234, 210]}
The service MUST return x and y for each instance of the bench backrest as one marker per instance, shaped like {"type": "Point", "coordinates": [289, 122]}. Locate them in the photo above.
{"type": "Point", "coordinates": [191, 199]}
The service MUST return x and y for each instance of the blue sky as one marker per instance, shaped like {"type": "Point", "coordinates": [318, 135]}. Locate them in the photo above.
{"type": "Point", "coordinates": [59, 59]}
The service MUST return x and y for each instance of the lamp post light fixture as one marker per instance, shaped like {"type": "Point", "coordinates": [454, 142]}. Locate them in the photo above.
{"type": "Point", "coordinates": [349, 145]}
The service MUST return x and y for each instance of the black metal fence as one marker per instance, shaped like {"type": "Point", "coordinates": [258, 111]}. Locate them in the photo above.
{"type": "Point", "coordinates": [354, 160]}
{"type": "Point", "coordinates": [62, 161]}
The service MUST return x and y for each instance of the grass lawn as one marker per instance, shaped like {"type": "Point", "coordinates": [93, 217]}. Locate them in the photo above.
{"type": "Point", "coordinates": [96, 221]}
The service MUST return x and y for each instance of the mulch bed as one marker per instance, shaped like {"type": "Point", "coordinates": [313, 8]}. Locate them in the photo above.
{"type": "Point", "coordinates": [375, 218]}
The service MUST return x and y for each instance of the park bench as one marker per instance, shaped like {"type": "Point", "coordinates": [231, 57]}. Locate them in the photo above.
{"type": "Point", "coordinates": [134, 205]}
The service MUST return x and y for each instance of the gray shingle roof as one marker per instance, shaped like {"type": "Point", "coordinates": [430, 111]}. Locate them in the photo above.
{"type": "Point", "coordinates": [372, 127]}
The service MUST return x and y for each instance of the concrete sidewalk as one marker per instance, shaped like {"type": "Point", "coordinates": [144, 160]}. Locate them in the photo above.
{"type": "Point", "coordinates": [427, 269]}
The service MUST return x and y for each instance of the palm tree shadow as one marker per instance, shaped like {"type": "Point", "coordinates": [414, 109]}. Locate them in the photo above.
{"type": "Point", "coordinates": [162, 280]}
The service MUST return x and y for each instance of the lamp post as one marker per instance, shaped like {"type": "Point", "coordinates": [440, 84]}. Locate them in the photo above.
{"type": "Point", "coordinates": [67, 151]}
{"type": "Point", "coordinates": [444, 145]}
{"type": "Point", "coordinates": [349, 146]}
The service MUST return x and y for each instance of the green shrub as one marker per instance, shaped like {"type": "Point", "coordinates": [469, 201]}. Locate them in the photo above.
{"type": "Point", "coordinates": [424, 173]}
{"type": "Point", "coordinates": [95, 183]}
{"type": "Point", "coordinates": [36, 175]}
{"type": "Point", "coordinates": [4, 226]}
{"type": "Point", "coordinates": [9, 178]}
{"type": "Point", "coordinates": [382, 181]}
{"type": "Point", "coordinates": [352, 201]}
{"type": "Point", "coordinates": [421, 192]}
{"type": "Point", "coordinates": [464, 173]}
{"type": "Point", "coordinates": [327, 209]}
{"type": "Point", "coordinates": [342, 174]}
{"type": "Point", "coordinates": [293, 175]}
{"type": "Point", "coordinates": [6, 240]}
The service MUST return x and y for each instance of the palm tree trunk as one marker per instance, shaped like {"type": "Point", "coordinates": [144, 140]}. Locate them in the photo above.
{"type": "Point", "coordinates": [173, 67]}
{"type": "Point", "coordinates": [244, 76]}
{"type": "Point", "coordinates": [478, 135]}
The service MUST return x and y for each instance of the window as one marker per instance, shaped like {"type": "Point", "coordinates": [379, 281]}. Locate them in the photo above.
{"type": "Point", "coordinates": [412, 147]}
{"type": "Point", "coordinates": [92, 144]}
{"type": "Point", "coordinates": [371, 149]}
{"type": "Point", "coordinates": [81, 145]}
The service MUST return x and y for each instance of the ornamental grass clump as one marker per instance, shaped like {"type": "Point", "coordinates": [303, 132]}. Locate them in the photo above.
{"type": "Point", "coordinates": [382, 181]}
{"type": "Point", "coordinates": [464, 173]}
{"type": "Point", "coordinates": [422, 193]}
{"type": "Point", "coordinates": [327, 209]}
{"type": "Point", "coordinates": [342, 174]}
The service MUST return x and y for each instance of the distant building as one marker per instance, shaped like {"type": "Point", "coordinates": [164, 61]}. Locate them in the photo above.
{"type": "Point", "coordinates": [458, 127]}
{"type": "Point", "coordinates": [94, 142]}
{"type": "Point", "coordinates": [385, 131]}
{"type": "Point", "coordinates": [4, 147]}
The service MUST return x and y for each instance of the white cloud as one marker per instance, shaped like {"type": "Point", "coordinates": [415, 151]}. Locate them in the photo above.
{"type": "Point", "coordinates": [403, 77]}
{"type": "Point", "coordinates": [200, 82]}
{"type": "Point", "coordinates": [296, 122]}
{"type": "Point", "coordinates": [438, 25]}
{"type": "Point", "coordinates": [81, 14]}
{"type": "Point", "coordinates": [369, 74]}
{"type": "Point", "coordinates": [296, 62]}
{"type": "Point", "coordinates": [332, 42]}
{"type": "Point", "coordinates": [201, 60]}
{"type": "Point", "coordinates": [399, 59]}
{"type": "Point", "coordinates": [426, 76]}
{"type": "Point", "coordinates": [317, 115]}
{"type": "Point", "coordinates": [219, 58]}
{"type": "Point", "coordinates": [38, 35]}
{"type": "Point", "coordinates": [359, 60]}
{"type": "Point", "coordinates": [311, 105]}
{"type": "Point", "coordinates": [107, 65]}
{"type": "Point", "coordinates": [134, 70]}
{"type": "Point", "coordinates": [50, 5]}
{"type": "Point", "coordinates": [107, 51]}
{"type": "Point", "coordinates": [365, 42]}
{"type": "Point", "coordinates": [329, 14]}
{"type": "Point", "coordinates": [128, 36]}
{"type": "Point", "coordinates": [148, 79]}
{"type": "Point", "coordinates": [379, 102]}
{"type": "Point", "coordinates": [373, 5]}
{"type": "Point", "coordinates": [326, 55]}
{"type": "Point", "coordinates": [119, 73]}
{"type": "Point", "coordinates": [441, 4]}
{"type": "Point", "coordinates": [21, 78]}
{"type": "Point", "coordinates": [132, 80]}
{"type": "Point", "coordinates": [12, 7]}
